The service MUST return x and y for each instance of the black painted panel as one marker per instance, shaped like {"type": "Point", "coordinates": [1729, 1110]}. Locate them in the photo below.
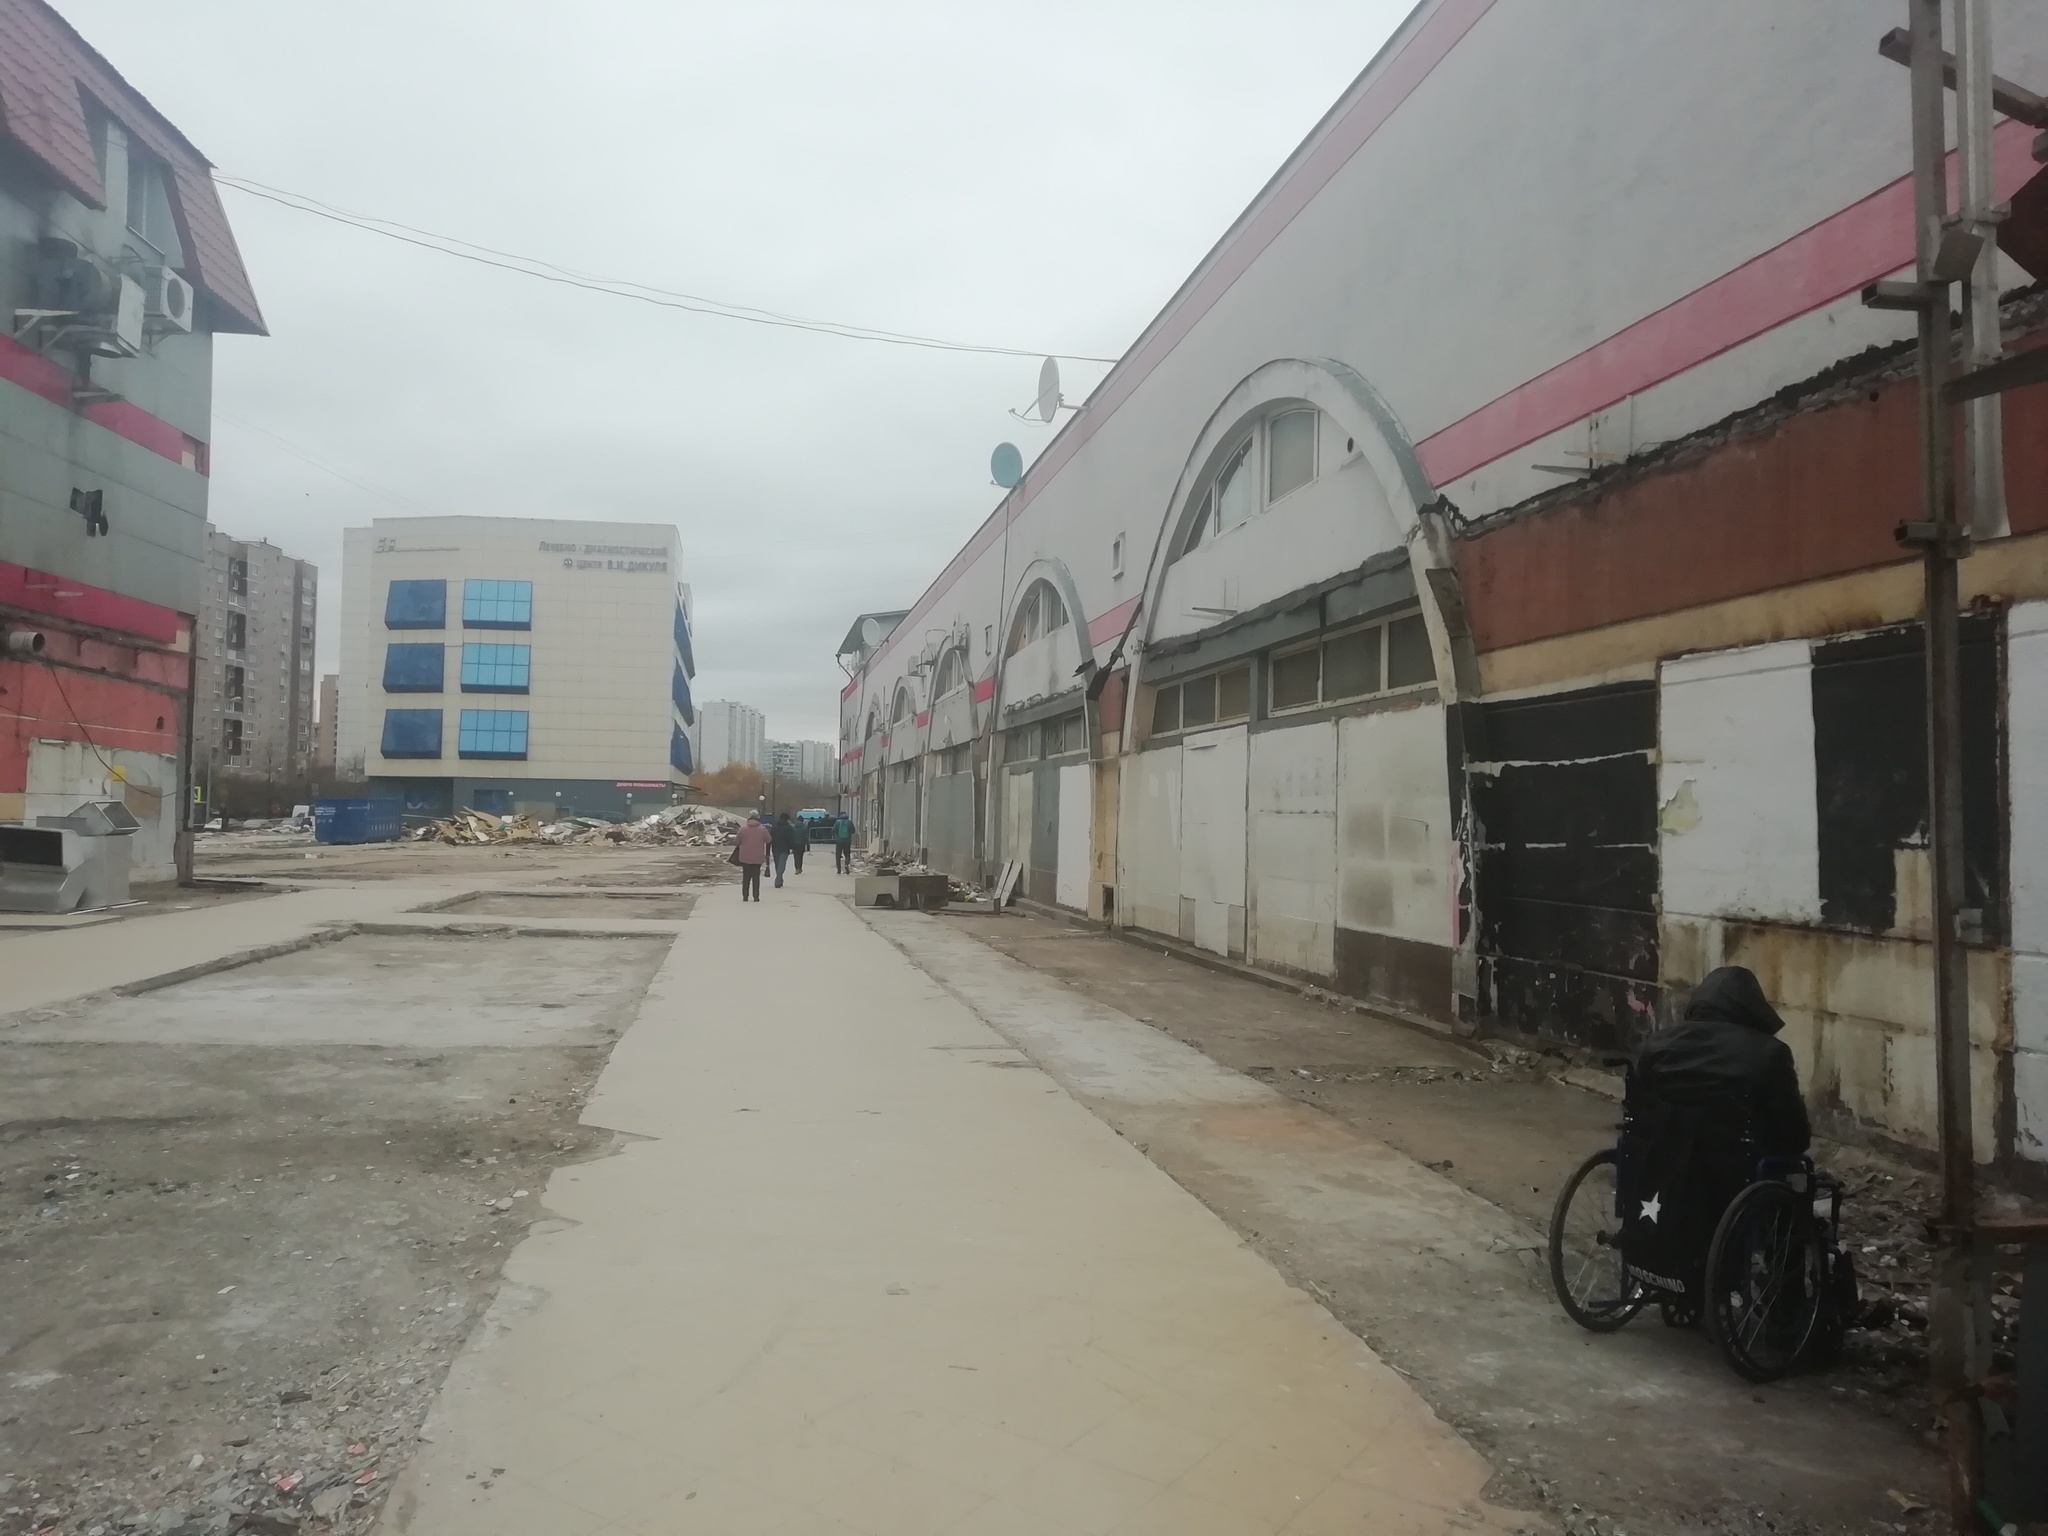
{"type": "Point", "coordinates": [1406, 973]}
{"type": "Point", "coordinates": [1566, 881]}
{"type": "Point", "coordinates": [1870, 767]}
{"type": "Point", "coordinates": [1607, 939]}
{"type": "Point", "coordinates": [1604, 1013]}
{"type": "Point", "coordinates": [1564, 727]}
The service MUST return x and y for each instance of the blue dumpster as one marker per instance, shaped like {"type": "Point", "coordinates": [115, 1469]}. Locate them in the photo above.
{"type": "Point", "coordinates": [356, 821]}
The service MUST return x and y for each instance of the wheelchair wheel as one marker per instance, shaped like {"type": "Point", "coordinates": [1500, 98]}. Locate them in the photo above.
{"type": "Point", "coordinates": [1767, 1280]}
{"type": "Point", "coordinates": [1586, 1268]}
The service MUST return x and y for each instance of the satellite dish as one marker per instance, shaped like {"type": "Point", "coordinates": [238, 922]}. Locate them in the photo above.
{"type": "Point", "coordinates": [870, 633]}
{"type": "Point", "coordinates": [1048, 405]}
{"type": "Point", "coordinates": [1006, 465]}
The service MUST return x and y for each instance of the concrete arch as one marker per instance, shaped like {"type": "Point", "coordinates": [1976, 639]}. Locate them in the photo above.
{"type": "Point", "coordinates": [1362, 413]}
{"type": "Point", "coordinates": [1055, 573]}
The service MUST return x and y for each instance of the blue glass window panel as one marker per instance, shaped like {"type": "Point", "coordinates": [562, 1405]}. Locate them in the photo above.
{"type": "Point", "coordinates": [679, 692]}
{"type": "Point", "coordinates": [497, 604]}
{"type": "Point", "coordinates": [412, 733]}
{"type": "Point", "coordinates": [678, 750]}
{"type": "Point", "coordinates": [683, 641]}
{"type": "Point", "coordinates": [416, 605]}
{"type": "Point", "coordinates": [413, 668]}
{"type": "Point", "coordinates": [489, 668]}
{"type": "Point", "coordinates": [492, 733]}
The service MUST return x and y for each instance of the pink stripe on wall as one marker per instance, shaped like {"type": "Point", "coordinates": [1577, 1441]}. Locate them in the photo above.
{"type": "Point", "coordinates": [1814, 268]}
{"type": "Point", "coordinates": [63, 598]}
{"type": "Point", "coordinates": [1107, 626]}
{"type": "Point", "coordinates": [37, 374]}
{"type": "Point", "coordinates": [984, 690]}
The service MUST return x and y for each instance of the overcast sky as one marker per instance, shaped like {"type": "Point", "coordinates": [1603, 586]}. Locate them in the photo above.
{"type": "Point", "coordinates": [1032, 175]}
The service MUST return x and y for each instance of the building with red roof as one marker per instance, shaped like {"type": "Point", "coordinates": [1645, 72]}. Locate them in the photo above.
{"type": "Point", "coordinates": [117, 269]}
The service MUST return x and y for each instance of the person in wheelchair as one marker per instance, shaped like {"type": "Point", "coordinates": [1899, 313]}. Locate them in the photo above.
{"type": "Point", "coordinates": [1707, 1098]}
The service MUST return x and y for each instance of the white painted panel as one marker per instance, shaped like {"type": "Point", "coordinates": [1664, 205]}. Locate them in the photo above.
{"type": "Point", "coordinates": [62, 773]}
{"type": "Point", "coordinates": [1739, 827]}
{"type": "Point", "coordinates": [2027, 735]}
{"type": "Point", "coordinates": [1148, 841]}
{"type": "Point", "coordinates": [1212, 831]}
{"type": "Point", "coordinates": [1042, 668]}
{"type": "Point", "coordinates": [1394, 845]}
{"type": "Point", "coordinates": [1292, 795]}
{"type": "Point", "coordinates": [1077, 815]}
{"type": "Point", "coordinates": [1016, 822]}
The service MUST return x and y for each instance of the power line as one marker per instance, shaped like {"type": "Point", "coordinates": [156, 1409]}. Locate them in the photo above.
{"type": "Point", "coordinates": [622, 288]}
{"type": "Point", "coordinates": [305, 456]}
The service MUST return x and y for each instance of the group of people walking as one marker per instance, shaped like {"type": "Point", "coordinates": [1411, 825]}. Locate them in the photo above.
{"type": "Point", "coordinates": [785, 840]}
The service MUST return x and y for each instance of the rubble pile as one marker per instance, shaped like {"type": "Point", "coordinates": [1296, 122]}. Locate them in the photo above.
{"type": "Point", "coordinates": [676, 826]}
{"type": "Point", "coordinates": [956, 888]}
{"type": "Point", "coordinates": [1884, 1217]}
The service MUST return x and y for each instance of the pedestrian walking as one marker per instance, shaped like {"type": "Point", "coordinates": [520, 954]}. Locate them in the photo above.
{"type": "Point", "coordinates": [750, 854]}
{"type": "Point", "coordinates": [842, 844]}
{"type": "Point", "coordinates": [799, 842]}
{"type": "Point", "coordinates": [782, 838]}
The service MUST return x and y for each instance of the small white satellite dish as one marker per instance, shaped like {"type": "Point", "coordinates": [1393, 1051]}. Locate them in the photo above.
{"type": "Point", "coordinates": [1048, 404]}
{"type": "Point", "coordinates": [870, 633]}
{"type": "Point", "coordinates": [1006, 465]}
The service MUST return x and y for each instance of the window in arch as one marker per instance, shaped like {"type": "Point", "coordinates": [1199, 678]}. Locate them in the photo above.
{"type": "Point", "coordinates": [952, 673]}
{"type": "Point", "coordinates": [1040, 614]}
{"type": "Point", "coordinates": [905, 708]}
{"type": "Point", "coordinates": [1290, 452]}
{"type": "Point", "coordinates": [1278, 457]}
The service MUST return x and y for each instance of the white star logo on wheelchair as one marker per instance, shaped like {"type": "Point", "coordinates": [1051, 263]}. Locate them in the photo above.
{"type": "Point", "coordinates": [1652, 1206]}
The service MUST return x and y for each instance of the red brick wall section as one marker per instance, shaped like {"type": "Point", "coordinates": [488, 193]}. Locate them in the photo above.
{"type": "Point", "coordinates": [1816, 496]}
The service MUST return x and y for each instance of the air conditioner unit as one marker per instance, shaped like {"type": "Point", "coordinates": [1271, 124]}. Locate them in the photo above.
{"type": "Point", "coordinates": [168, 299]}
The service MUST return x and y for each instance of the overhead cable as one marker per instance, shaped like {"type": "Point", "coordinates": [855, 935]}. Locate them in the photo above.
{"type": "Point", "coordinates": [623, 288]}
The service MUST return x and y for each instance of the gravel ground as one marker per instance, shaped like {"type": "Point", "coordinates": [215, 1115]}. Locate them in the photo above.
{"type": "Point", "coordinates": [237, 1271]}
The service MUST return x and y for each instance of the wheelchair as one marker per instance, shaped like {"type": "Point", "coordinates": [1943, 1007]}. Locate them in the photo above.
{"type": "Point", "coordinates": [1773, 1286]}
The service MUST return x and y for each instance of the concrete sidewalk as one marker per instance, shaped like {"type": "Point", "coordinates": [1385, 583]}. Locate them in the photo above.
{"type": "Point", "coordinates": [873, 1272]}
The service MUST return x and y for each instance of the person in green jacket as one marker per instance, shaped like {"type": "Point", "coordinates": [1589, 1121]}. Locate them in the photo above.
{"type": "Point", "coordinates": [842, 844]}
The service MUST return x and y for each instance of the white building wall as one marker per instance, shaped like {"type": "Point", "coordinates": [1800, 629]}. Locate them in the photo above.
{"type": "Point", "coordinates": [602, 643]}
{"type": "Point", "coordinates": [2027, 728]}
{"type": "Point", "coordinates": [1682, 143]}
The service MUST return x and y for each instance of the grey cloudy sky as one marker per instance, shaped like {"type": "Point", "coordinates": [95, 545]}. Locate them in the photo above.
{"type": "Point", "coordinates": [1033, 175]}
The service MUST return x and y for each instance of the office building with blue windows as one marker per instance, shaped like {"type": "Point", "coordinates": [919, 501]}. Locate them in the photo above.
{"type": "Point", "coordinates": [516, 665]}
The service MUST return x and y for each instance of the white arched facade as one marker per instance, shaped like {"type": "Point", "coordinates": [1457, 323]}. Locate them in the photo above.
{"type": "Point", "coordinates": [1286, 778]}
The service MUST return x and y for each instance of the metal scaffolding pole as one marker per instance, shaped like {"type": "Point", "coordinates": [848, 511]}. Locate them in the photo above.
{"type": "Point", "coordinates": [1951, 249]}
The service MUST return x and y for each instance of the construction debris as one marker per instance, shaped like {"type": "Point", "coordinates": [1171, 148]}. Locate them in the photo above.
{"type": "Point", "coordinates": [684, 826]}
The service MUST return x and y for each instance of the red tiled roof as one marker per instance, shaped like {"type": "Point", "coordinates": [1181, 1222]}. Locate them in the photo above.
{"type": "Point", "coordinates": [46, 70]}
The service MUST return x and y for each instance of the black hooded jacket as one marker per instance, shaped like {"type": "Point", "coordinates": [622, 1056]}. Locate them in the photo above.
{"type": "Point", "coordinates": [1724, 1057]}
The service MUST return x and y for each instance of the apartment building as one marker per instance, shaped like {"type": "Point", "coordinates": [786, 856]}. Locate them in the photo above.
{"type": "Point", "coordinates": [733, 733]}
{"type": "Point", "coordinates": [253, 702]}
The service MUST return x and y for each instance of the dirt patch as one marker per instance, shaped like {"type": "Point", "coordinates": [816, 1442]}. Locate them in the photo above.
{"type": "Point", "coordinates": [653, 905]}
{"type": "Point", "coordinates": [247, 1221]}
